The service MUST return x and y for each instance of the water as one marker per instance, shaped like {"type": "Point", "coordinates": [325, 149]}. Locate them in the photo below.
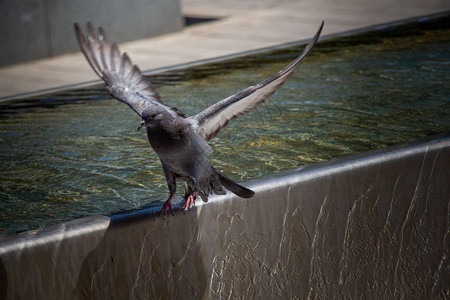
{"type": "Point", "coordinates": [77, 153]}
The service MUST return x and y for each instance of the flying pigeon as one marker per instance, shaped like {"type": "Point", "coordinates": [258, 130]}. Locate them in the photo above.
{"type": "Point", "coordinates": [179, 141]}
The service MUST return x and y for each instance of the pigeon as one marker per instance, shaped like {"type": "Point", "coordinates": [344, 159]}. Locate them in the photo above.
{"type": "Point", "coordinates": [179, 141]}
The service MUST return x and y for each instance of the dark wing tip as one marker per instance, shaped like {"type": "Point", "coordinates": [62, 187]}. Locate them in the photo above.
{"type": "Point", "coordinates": [320, 29]}
{"type": "Point", "coordinates": [78, 31]}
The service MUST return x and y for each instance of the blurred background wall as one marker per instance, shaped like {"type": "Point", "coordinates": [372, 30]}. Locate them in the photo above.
{"type": "Point", "coordinates": [33, 29]}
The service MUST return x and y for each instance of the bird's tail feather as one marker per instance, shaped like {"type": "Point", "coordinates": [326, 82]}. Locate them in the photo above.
{"type": "Point", "coordinates": [234, 187]}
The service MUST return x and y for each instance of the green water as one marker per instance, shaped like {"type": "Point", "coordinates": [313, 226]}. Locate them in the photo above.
{"type": "Point", "coordinates": [77, 153]}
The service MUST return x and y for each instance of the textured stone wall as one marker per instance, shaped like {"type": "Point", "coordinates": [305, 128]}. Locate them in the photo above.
{"type": "Point", "coordinates": [371, 226]}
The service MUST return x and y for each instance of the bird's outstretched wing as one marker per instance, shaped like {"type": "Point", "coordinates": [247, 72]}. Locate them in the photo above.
{"type": "Point", "coordinates": [210, 121]}
{"type": "Point", "coordinates": [124, 80]}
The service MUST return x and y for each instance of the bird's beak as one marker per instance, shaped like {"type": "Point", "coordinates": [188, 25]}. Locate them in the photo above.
{"type": "Point", "coordinates": [143, 124]}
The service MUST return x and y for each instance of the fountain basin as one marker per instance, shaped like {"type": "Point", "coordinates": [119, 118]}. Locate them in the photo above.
{"type": "Point", "coordinates": [373, 225]}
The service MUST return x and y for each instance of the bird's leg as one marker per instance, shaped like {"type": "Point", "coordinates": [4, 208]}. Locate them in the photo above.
{"type": "Point", "coordinates": [191, 193]}
{"type": "Point", "coordinates": [167, 204]}
{"type": "Point", "coordinates": [190, 201]}
{"type": "Point", "coordinates": [171, 184]}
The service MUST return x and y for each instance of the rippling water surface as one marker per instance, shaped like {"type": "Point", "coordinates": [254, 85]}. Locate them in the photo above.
{"type": "Point", "coordinates": [77, 153]}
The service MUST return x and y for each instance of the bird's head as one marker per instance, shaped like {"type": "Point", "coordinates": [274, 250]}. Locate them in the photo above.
{"type": "Point", "coordinates": [151, 115]}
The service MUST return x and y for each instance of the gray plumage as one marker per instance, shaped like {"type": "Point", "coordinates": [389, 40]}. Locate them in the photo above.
{"type": "Point", "coordinates": [180, 142]}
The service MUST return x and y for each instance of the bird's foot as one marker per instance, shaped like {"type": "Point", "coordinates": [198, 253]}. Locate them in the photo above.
{"type": "Point", "coordinates": [190, 201]}
{"type": "Point", "coordinates": [167, 205]}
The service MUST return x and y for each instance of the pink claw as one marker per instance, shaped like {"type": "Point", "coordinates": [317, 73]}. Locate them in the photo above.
{"type": "Point", "coordinates": [190, 201]}
{"type": "Point", "coordinates": [167, 204]}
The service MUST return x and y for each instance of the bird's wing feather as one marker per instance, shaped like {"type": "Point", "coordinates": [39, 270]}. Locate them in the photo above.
{"type": "Point", "coordinates": [210, 121]}
{"type": "Point", "coordinates": [124, 80]}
